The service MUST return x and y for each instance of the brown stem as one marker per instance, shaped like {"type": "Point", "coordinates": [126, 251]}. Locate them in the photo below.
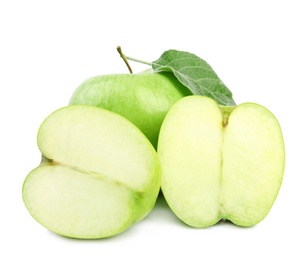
{"type": "Point", "coordinates": [119, 49]}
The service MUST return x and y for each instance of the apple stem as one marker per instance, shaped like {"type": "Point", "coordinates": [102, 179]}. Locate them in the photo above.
{"type": "Point", "coordinates": [126, 58]}
{"type": "Point", "coordinates": [119, 49]}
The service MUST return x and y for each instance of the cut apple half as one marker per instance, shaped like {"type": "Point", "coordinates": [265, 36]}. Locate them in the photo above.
{"type": "Point", "coordinates": [98, 176]}
{"type": "Point", "coordinates": [220, 162]}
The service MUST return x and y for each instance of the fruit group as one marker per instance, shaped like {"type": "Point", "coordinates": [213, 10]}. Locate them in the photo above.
{"type": "Point", "coordinates": [98, 176]}
{"type": "Point", "coordinates": [220, 162]}
{"type": "Point", "coordinates": [144, 98]}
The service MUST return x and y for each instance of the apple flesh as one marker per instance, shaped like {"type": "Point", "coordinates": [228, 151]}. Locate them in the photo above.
{"type": "Point", "coordinates": [98, 176]}
{"type": "Point", "coordinates": [143, 98]}
{"type": "Point", "coordinates": [220, 162]}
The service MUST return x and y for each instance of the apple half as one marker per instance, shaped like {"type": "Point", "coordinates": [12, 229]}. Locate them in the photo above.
{"type": "Point", "coordinates": [98, 176]}
{"type": "Point", "coordinates": [220, 163]}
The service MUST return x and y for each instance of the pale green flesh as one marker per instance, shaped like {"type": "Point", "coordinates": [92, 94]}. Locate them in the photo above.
{"type": "Point", "coordinates": [108, 145]}
{"type": "Point", "coordinates": [213, 172]}
{"type": "Point", "coordinates": [102, 174]}
{"type": "Point", "coordinates": [76, 204]}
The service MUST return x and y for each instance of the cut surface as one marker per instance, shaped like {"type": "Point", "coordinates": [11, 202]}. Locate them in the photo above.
{"type": "Point", "coordinates": [75, 204]}
{"type": "Point", "coordinates": [214, 170]}
{"type": "Point", "coordinates": [190, 155]}
{"type": "Point", "coordinates": [254, 157]}
{"type": "Point", "coordinates": [96, 140]}
{"type": "Point", "coordinates": [101, 174]}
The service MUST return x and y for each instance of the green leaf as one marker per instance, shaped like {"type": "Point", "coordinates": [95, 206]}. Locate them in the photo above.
{"type": "Point", "coordinates": [196, 74]}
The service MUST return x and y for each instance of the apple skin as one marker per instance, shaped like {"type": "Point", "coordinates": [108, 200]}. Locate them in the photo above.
{"type": "Point", "coordinates": [143, 98]}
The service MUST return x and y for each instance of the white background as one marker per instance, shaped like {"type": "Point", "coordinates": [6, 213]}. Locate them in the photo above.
{"type": "Point", "coordinates": [47, 48]}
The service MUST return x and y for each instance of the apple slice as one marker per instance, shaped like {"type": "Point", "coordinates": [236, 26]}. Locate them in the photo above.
{"type": "Point", "coordinates": [220, 162]}
{"type": "Point", "coordinates": [98, 176]}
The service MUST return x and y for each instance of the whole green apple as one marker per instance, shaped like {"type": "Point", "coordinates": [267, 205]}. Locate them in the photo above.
{"type": "Point", "coordinates": [143, 98]}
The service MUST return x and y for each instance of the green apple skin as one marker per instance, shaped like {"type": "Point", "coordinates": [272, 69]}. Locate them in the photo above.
{"type": "Point", "coordinates": [220, 163]}
{"type": "Point", "coordinates": [143, 98]}
{"type": "Point", "coordinates": [98, 176]}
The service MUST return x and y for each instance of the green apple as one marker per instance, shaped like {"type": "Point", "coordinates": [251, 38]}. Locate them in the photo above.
{"type": "Point", "coordinates": [98, 176]}
{"type": "Point", "coordinates": [143, 98]}
{"type": "Point", "coordinates": [220, 163]}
